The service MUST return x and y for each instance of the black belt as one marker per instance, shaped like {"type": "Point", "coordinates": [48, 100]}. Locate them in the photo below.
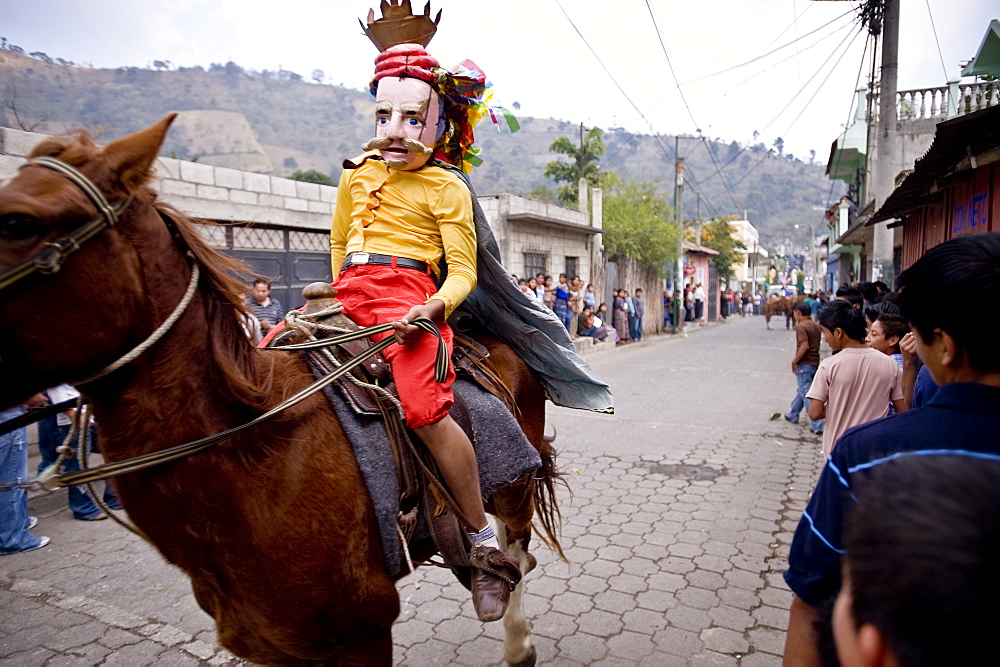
{"type": "Point", "coordinates": [362, 258]}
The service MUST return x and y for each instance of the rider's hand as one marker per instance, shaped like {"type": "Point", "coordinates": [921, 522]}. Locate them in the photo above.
{"type": "Point", "coordinates": [432, 310]}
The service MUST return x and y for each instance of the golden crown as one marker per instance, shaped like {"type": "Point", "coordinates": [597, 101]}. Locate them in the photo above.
{"type": "Point", "coordinates": [399, 25]}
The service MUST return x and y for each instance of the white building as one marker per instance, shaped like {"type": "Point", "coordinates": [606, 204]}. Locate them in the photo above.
{"type": "Point", "coordinates": [752, 272]}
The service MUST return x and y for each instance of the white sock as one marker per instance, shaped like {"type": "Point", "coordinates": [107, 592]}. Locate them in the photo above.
{"type": "Point", "coordinates": [487, 537]}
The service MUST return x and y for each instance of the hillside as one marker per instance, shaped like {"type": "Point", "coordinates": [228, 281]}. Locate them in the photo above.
{"type": "Point", "coordinates": [277, 123]}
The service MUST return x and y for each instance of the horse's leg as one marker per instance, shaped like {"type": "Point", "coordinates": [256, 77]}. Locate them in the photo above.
{"type": "Point", "coordinates": [517, 647]}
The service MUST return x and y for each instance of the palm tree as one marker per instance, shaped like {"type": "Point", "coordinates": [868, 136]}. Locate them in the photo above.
{"type": "Point", "coordinates": [585, 163]}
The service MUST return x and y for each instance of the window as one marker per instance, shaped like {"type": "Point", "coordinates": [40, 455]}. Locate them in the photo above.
{"type": "Point", "coordinates": [534, 263]}
{"type": "Point", "coordinates": [572, 264]}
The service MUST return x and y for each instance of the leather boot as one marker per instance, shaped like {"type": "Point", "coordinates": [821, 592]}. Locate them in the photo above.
{"type": "Point", "coordinates": [494, 576]}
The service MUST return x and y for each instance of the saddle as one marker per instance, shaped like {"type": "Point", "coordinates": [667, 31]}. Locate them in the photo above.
{"type": "Point", "coordinates": [426, 519]}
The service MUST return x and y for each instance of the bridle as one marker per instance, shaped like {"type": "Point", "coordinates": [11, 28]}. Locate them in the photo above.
{"type": "Point", "coordinates": [50, 258]}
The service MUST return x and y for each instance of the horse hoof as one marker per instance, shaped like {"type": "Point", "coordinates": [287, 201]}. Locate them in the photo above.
{"type": "Point", "coordinates": [529, 660]}
{"type": "Point", "coordinates": [529, 562]}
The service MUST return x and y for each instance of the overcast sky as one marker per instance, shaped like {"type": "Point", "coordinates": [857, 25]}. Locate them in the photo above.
{"type": "Point", "coordinates": [536, 58]}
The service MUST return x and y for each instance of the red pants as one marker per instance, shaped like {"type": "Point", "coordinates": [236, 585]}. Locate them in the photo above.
{"type": "Point", "coordinates": [376, 294]}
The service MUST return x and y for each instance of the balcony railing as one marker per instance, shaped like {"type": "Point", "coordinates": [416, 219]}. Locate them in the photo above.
{"type": "Point", "coordinates": [934, 102]}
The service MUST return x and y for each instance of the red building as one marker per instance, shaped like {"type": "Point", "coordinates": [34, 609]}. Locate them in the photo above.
{"type": "Point", "coordinates": [954, 189]}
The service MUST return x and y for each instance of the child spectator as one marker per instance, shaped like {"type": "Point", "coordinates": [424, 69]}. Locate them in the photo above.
{"type": "Point", "coordinates": [857, 383]}
{"type": "Point", "coordinates": [549, 294]}
{"type": "Point", "coordinates": [884, 335]}
{"type": "Point", "coordinates": [561, 306]}
{"type": "Point", "coordinates": [919, 574]}
{"type": "Point", "coordinates": [804, 363]}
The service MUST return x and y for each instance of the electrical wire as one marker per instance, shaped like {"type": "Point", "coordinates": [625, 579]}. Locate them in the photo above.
{"type": "Point", "coordinates": [666, 54]}
{"type": "Point", "coordinates": [764, 55]}
{"type": "Point", "coordinates": [788, 105]}
{"type": "Point", "coordinates": [936, 40]}
{"type": "Point", "coordinates": [868, 41]}
{"type": "Point", "coordinates": [783, 60]}
{"type": "Point", "coordinates": [655, 135]}
{"type": "Point", "coordinates": [806, 106]}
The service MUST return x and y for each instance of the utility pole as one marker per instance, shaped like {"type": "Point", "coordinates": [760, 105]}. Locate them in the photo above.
{"type": "Point", "coordinates": [581, 183]}
{"type": "Point", "coordinates": [886, 141]}
{"type": "Point", "coordinates": [679, 269]}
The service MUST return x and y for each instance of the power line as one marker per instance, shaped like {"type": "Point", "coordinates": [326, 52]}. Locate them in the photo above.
{"type": "Point", "coordinates": [764, 55]}
{"type": "Point", "coordinates": [792, 100]}
{"type": "Point", "coordinates": [936, 40]}
{"type": "Point", "coordinates": [784, 60]}
{"type": "Point", "coordinates": [795, 120]}
{"type": "Point", "coordinates": [663, 46]}
{"type": "Point", "coordinates": [806, 106]}
{"type": "Point", "coordinates": [613, 80]}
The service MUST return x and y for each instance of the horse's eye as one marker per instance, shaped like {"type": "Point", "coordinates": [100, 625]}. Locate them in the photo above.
{"type": "Point", "coordinates": [18, 226]}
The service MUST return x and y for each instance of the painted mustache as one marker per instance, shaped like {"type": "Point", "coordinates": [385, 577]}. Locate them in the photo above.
{"type": "Point", "coordinates": [411, 145]}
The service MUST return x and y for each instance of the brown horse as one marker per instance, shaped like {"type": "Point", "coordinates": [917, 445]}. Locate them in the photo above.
{"type": "Point", "coordinates": [274, 525]}
{"type": "Point", "coordinates": [777, 305]}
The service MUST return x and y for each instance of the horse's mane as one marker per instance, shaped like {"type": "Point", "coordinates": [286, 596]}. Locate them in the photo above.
{"type": "Point", "coordinates": [243, 376]}
{"type": "Point", "coordinates": [224, 298]}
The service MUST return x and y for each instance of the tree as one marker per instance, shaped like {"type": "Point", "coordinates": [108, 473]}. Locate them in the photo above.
{"type": "Point", "coordinates": [637, 224]}
{"type": "Point", "coordinates": [584, 163]}
{"type": "Point", "coordinates": [318, 75]}
{"type": "Point", "coordinates": [290, 162]}
{"type": "Point", "coordinates": [312, 176]}
{"type": "Point", "coordinates": [779, 143]}
{"type": "Point", "coordinates": [544, 193]}
{"type": "Point", "coordinates": [718, 235]}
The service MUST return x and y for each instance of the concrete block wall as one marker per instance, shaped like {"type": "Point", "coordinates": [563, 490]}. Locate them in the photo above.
{"type": "Point", "coordinates": [213, 193]}
{"type": "Point", "coordinates": [523, 224]}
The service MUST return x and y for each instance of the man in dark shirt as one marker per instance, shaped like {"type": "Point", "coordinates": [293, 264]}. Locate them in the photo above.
{"type": "Point", "coordinates": [962, 419]}
{"type": "Point", "coordinates": [640, 311]}
{"type": "Point", "coordinates": [805, 362]}
{"type": "Point", "coordinates": [265, 307]}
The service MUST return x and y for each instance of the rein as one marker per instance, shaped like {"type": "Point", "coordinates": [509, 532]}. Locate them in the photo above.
{"type": "Point", "coordinates": [187, 449]}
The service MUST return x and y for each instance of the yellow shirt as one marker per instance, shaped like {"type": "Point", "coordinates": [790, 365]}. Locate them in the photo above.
{"type": "Point", "coordinates": [423, 214]}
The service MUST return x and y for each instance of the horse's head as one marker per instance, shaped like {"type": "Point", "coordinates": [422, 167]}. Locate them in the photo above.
{"type": "Point", "coordinates": [65, 324]}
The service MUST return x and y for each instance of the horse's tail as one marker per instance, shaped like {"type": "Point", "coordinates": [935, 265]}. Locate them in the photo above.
{"type": "Point", "coordinates": [546, 504]}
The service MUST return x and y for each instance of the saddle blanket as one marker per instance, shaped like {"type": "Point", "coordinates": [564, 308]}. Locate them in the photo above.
{"type": "Point", "coordinates": [503, 453]}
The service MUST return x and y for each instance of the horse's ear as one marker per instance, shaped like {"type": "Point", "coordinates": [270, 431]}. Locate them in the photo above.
{"type": "Point", "coordinates": [131, 157]}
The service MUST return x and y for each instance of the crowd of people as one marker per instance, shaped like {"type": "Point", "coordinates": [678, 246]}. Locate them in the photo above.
{"type": "Point", "coordinates": [892, 559]}
{"type": "Point", "coordinates": [575, 304]}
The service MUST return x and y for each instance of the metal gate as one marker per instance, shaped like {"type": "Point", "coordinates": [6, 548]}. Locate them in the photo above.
{"type": "Point", "coordinates": [289, 258]}
{"type": "Point", "coordinates": [713, 292]}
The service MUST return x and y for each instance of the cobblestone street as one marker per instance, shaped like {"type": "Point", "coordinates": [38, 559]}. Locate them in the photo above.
{"type": "Point", "coordinates": [682, 507]}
